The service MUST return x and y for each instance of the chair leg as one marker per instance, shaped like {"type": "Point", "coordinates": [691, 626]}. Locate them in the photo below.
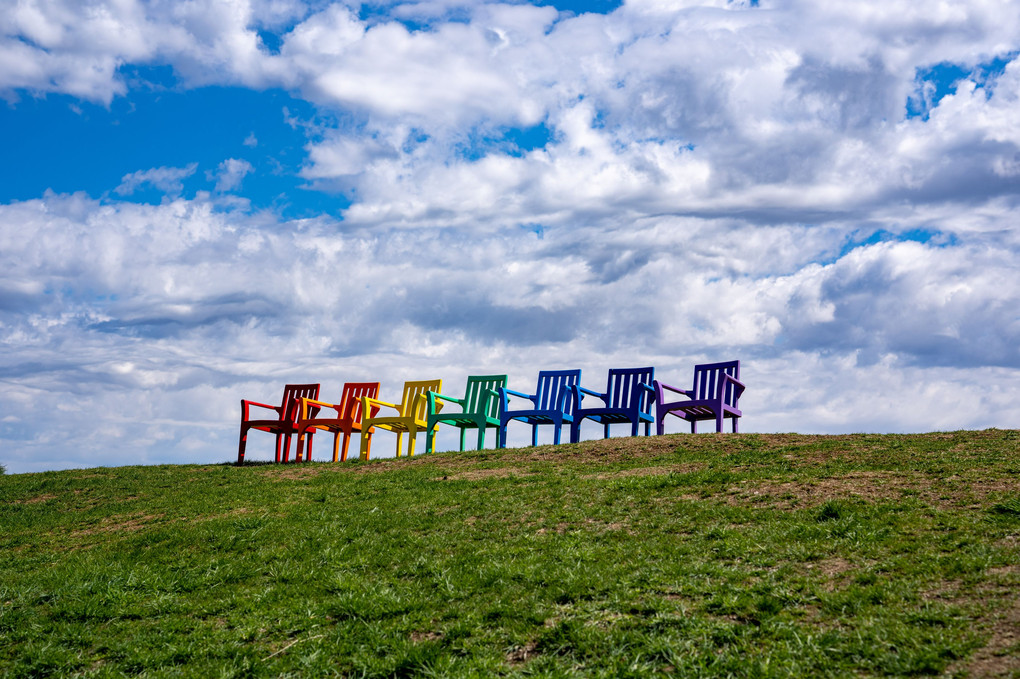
{"type": "Point", "coordinates": [412, 434]}
{"type": "Point", "coordinates": [534, 435]}
{"type": "Point", "coordinates": [462, 432]}
{"type": "Point", "coordinates": [430, 439]}
{"type": "Point", "coordinates": [660, 424]}
{"type": "Point", "coordinates": [311, 439]}
{"type": "Point", "coordinates": [336, 445]}
{"type": "Point", "coordinates": [481, 436]}
{"type": "Point", "coordinates": [718, 423]}
{"type": "Point", "coordinates": [278, 441]}
{"type": "Point", "coordinates": [556, 431]}
{"type": "Point", "coordinates": [501, 435]}
{"type": "Point", "coordinates": [734, 424]}
{"type": "Point", "coordinates": [400, 438]}
{"type": "Point", "coordinates": [366, 443]}
{"type": "Point", "coordinates": [648, 428]}
{"type": "Point", "coordinates": [575, 432]}
{"type": "Point", "coordinates": [347, 443]}
{"type": "Point", "coordinates": [605, 430]}
{"type": "Point", "coordinates": [242, 443]}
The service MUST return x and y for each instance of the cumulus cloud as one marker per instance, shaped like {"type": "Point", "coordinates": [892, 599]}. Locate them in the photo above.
{"type": "Point", "coordinates": [180, 309]}
{"type": "Point", "coordinates": [230, 173]}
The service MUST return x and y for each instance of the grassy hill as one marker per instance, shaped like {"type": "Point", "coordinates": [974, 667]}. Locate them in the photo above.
{"type": "Point", "coordinates": [708, 555]}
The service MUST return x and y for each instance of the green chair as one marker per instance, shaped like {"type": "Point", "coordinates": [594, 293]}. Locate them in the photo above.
{"type": "Point", "coordinates": [479, 409]}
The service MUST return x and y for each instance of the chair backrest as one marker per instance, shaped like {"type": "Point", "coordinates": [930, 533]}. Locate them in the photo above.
{"type": "Point", "coordinates": [551, 384]}
{"type": "Point", "coordinates": [350, 401]}
{"type": "Point", "coordinates": [412, 390]}
{"type": "Point", "coordinates": [477, 396]}
{"type": "Point", "coordinates": [624, 389]}
{"type": "Point", "coordinates": [292, 395]}
{"type": "Point", "coordinates": [708, 377]}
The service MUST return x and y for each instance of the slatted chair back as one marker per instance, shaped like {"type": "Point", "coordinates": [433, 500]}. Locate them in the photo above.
{"type": "Point", "coordinates": [350, 401]}
{"type": "Point", "coordinates": [554, 384]}
{"type": "Point", "coordinates": [292, 395]}
{"type": "Point", "coordinates": [411, 405]}
{"type": "Point", "coordinates": [479, 397]}
{"type": "Point", "coordinates": [707, 378]}
{"type": "Point", "coordinates": [625, 388]}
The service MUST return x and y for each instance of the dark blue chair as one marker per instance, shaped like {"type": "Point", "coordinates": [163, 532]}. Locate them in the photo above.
{"type": "Point", "coordinates": [628, 398]}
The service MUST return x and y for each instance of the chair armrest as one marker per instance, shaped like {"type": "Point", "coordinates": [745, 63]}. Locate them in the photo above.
{"type": "Point", "coordinates": [584, 391]}
{"type": "Point", "coordinates": [663, 385]}
{"type": "Point", "coordinates": [429, 402]}
{"type": "Point", "coordinates": [638, 395]}
{"type": "Point", "coordinates": [443, 397]}
{"type": "Point", "coordinates": [434, 396]}
{"type": "Point", "coordinates": [367, 403]}
{"type": "Point", "coordinates": [245, 405]}
{"type": "Point", "coordinates": [315, 405]}
{"type": "Point", "coordinates": [737, 383]}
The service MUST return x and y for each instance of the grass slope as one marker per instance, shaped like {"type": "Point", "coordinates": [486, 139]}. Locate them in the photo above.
{"type": "Point", "coordinates": [709, 555]}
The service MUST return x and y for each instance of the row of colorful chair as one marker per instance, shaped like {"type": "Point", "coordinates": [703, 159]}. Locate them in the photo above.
{"type": "Point", "coordinates": [629, 396]}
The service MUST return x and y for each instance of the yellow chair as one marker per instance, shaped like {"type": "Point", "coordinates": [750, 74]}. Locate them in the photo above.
{"type": "Point", "coordinates": [413, 416]}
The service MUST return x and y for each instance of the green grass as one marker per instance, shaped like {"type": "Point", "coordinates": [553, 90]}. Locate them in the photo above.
{"type": "Point", "coordinates": [710, 555]}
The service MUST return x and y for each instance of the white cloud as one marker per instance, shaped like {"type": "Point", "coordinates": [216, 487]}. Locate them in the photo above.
{"type": "Point", "coordinates": [169, 180]}
{"type": "Point", "coordinates": [179, 310]}
{"type": "Point", "coordinates": [230, 173]}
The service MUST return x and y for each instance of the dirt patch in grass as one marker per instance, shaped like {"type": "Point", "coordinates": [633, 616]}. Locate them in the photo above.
{"type": "Point", "coordinates": [522, 654]}
{"type": "Point", "coordinates": [36, 500]}
{"type": "Point", "coordinates": [688, 468]}
{"type": "Point", "coordinates": [120, 524]}
{"type": "Point", "coordinates": [419, 637]}
{"type": "Point", "coordinates": [289, 472]}
{"type": "Point", "coordinates": [482, 474]}
{"type": "Point", "coordinates": [1000, 656]}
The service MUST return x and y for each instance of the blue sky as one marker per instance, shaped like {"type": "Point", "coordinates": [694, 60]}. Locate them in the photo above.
{"type": "Point", "coordinates": [199, 203]}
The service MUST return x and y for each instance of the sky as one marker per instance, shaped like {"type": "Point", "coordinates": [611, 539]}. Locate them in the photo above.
{"type": "Point", "coordinates": [202, 201]}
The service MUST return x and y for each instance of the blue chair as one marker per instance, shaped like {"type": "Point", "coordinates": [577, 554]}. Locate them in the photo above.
{"type": "Point", "coordinates": [554, 402]}
{"type": "Point", "coordinates": [628, 398]}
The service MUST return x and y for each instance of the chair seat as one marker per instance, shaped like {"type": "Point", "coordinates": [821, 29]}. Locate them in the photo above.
{"type": "Point", "coordinates": [702, 410]}
{"type": "Point", "coordinates": [539, 416]}
{"type": "Point", "coordinates": [397, 423]}
{"type": "Point", "coordinates": [614, 415]}
{"type": "Point", "coordinates": [461, 420]}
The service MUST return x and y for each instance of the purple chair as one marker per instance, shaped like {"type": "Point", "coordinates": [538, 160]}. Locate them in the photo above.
{"type": "Point", "coordinates": [554, 402]}
{"type": "Point", "coordinates": [717, 387]}
{"type": "Point", "coordinates": [628, 398]}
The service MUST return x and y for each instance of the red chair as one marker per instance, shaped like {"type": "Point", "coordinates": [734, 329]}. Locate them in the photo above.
{"type": "Point", "coordinates": [285, 422]}
{"type": "Point", "coordinates": [348, 419]}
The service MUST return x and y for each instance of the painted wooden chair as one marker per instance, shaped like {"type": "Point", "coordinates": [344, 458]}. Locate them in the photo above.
{"type": "Point", "coordinates": [628, 398]}
{"type": "Point", "coordinates": [554, 402]}
{"type": "Point", "coordinates": [346, 421]}
{"type": "Point", "coordinates": [283, 425]}
{"type": "Point", "coordinates": [717, 387]}
{"type": "Point", "coordinates": [479, 409]}
{"type": "Point", "coordinates": [412, 412]}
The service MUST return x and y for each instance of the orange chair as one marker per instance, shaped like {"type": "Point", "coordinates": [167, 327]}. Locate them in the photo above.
{"type": "Point", "coordinates": [413, 413]}
{"type": "Point", "coordinates": [348, 420]}
{"type": "Point", "coordinates": [285, 422]}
